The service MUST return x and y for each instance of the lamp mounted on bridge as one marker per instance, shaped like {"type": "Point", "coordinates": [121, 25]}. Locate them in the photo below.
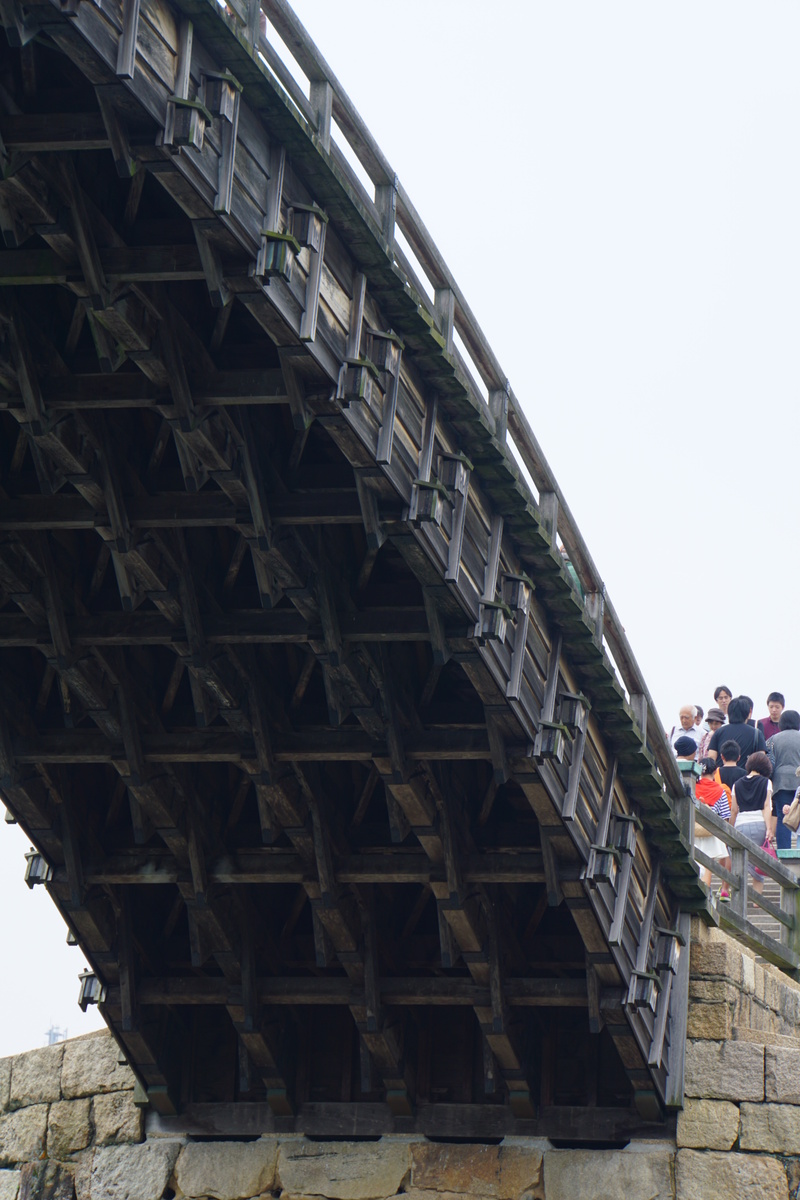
{"type": "Point", "coordinates": [550, 741]}
{"type": "Point", "coordinates": [189, 120]}
{"type": "Point", "coordinates": [516, 591]}
{"type": "Point", "coordinates": [362, 382]}
{"type": "Point", "coordinates": [276, 256]}
{"type": "Point", "coordinates": [493, 621]}
{"type": "Point", "coordinates": [220, 89]}
{"type": "Point", "coordinates": [37, 869]}
{"type": "Point", "coordinates": [603, 865]}
{"type": "Point", "coordinates": [306, 222]}
{"type": "Point", "coordinates": [429, 498]}
{"type": "Point", "coordinates": [644, 989]}
{"type": "Point", "coordinates": [92, 991]}
{"type": "Point", "coordinates": [573, 710]}
{"type": "Point", "coordinates": [667, 949]}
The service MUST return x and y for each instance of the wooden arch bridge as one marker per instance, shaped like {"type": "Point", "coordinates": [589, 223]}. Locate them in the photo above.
{"type": "Point", "coordinates": [336, 759]}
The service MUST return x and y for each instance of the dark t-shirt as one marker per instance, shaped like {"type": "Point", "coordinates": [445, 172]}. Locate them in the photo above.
{"type": "Point", "coordinates": [729, 775]}
{"type": "Point", "coordinates": [768, 727]}
{"type": "Point", "coordinates": [748, 739]}
{"type": "Point", "coordinates": [751, 793]}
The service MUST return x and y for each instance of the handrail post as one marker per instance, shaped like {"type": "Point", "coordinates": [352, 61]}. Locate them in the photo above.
{"type": "Point", "coordinates": [320, 93]}
{"type": "Point", "coordinates": [386, 205]}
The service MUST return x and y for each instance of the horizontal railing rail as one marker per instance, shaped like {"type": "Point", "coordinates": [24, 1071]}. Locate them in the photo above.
{"type": "Point", "coordinates": [733, 915]}
{"type": "Point", "coordinates": [323, 103]}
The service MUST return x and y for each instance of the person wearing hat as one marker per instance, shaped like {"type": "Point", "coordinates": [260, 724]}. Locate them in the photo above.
{"type": "Point", "coordinates": [783, 751]}
{"type": "Point", "coordinates": [685, 748]}
{"type": "Point", "coordinates": [715, 718]}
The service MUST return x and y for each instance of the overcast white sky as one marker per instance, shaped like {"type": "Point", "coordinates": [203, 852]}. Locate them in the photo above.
{"type": "Point", "coordinates": [616, 187]}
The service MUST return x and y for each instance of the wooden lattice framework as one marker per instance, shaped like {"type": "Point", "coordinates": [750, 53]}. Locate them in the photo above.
{"type": "Point", "coordinates": [312, 725]}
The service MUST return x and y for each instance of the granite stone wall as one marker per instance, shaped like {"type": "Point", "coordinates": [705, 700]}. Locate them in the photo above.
{"type": "Point", "coordinates": [69, 1127]}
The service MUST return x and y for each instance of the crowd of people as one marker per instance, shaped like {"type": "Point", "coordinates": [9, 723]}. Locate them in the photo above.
{"type": "Point", "coordinates": [749, 772]}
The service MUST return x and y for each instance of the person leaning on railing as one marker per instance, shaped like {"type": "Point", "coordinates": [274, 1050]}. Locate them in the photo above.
{"type": "Point", "coordinates": [783, 751]}
{"type": "Point", "coordinates": [711, 793]}
{"type": "Point", "coordinates": [751, 808]}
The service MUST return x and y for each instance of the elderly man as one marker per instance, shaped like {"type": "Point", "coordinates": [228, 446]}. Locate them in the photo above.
{"type": "Point", "coordinates": [686, 726]}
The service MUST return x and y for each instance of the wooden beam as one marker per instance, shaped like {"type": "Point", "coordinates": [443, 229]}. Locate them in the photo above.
{"type": "Point", "coordinates": [414, 992]}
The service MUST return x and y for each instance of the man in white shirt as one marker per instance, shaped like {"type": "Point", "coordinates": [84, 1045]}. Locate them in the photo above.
{"type": "Point", "coordinates": [686, 726]}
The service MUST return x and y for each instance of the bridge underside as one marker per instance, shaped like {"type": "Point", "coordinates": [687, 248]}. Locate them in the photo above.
{"type": "Point", "coordinates": [319, 774]}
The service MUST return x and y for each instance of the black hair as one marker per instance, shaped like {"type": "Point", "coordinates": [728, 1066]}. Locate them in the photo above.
{"type": "Point", "coordinates": [709, 765]}
{"type": "Point", "coordinates": [739, 710]}
{"type": "Point", "coordinates": [777, 698]}
{"type": "Point", "coordinates": [698, 712]}
{"type": "Point", "coordinates": [760, 763]}
{"type": "Point", "coordinates": [789, 719]}
{"type": "Point", "coordinates": [722, 688]}
{"type": "Point", "coordinates": [730, 749]}
{"type": "Point", "coordinates": [748, 701]}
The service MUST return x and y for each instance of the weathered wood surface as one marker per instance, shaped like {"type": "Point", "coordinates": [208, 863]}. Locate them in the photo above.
{"type": "Point", "coordinates": [191, 433]}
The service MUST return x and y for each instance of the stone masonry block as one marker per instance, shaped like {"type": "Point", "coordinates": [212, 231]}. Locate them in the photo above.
{"type": "Point", "coordinates": [713, 991]}
{"type": "Point", "coordinates": [609, 1174]}
{"type": "Point", "coordinates": [714, 1176]}
{"type": "Point", "coordinates": [116, 1118]}
{"type": "Point", "coordinates": [717, 959]}
{"type": "Point", "coordinates": [132, 1172]}
{"type": "Point", "coordinates": [708, 1124]}
{"type": "Point", "coordinates": [782, 1075]}
{"type": "Point", "coordinates": [748, 974]}
{"type": "Point", "coordinates": [9, 1185]}
{"type": "Point", "coordinates": [709, 1021]}
{"type": "Point", "coordinates": [5, 1083]}
{"type": "Point", "coordinates": [503, 1172]}
{"type": "Point", "coordinates": [68, 1128]}
{"type": "Point", "coordinates": [91, 1067]}
{"type": "Point", "coordinates": [22, 1135]}
{"type": "Point", "coordinates": [724, 1070]}
{"type": "Point", "coordinates": [227, 1170]}
{"type": "Point", "coordinates": [46, 1180]}
{"type": "Point", "coordinates": [772, 1127]}
{"type": "Point", "coordinates": [36, 1076]}
{"type": "Point", "coordinates": [343, 1170]}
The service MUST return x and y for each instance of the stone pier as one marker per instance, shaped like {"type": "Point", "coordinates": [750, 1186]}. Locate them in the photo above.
{"type": "Point", "coordinates": [69, 1125]}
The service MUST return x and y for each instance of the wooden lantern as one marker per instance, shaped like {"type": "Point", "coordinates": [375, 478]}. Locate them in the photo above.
{"type": "Point", "coordinates": [92, 990]}
{"type": "Point", "coordinates": [385, 350]}
{"type": "Point", "coordinates": [189, 122]}
{"type": "Point", "coordinates": [625, 827]}
{"type": "Point", "coordinates": [644, 989]}
{"type": "Point", "coordinates": [516, 591]}
{"type": "Point", "coordinates": [603, 865]}
{"type": "Point", "coordinates": [362, 381]}
{"type": "Point", "coordinates": [667, 949]}
{"type": "Point", "coordinates": [493, 621]}
{"type": "Point", "coordinates": [219, 93]}
{"type": "Point", "coordinates": [550, 742]}
{"type": "Point", "coordinates": [573, 708]}
{"type": "Point", "coordinates": [454, 472]}
{"type": "Point", "coordinates": [306, 221]}
{"type": "Point", "coordinates": [37, 869]}
{"type": "Point", "coordinates": [276, 256]}
{"type": "Point", "coordinates": [430, 497]}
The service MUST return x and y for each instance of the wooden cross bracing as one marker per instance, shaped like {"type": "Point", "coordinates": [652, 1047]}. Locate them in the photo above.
{"type": "Point", "coordinates": [255, 630]}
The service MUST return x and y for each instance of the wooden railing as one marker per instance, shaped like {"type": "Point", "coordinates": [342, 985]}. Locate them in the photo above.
{"type": "Point", "coordinates": [733, 914]}
{"type": "Point", "coordinates": [310, 85]}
